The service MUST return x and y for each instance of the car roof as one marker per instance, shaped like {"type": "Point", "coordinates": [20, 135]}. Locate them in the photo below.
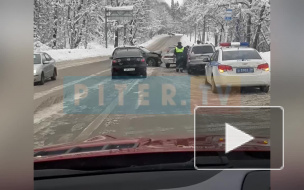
{"type": "Point", "coordinates": [202, 45]}
{"type": "Point", "coordinates": [236, 48]}
{"type": "Point", "coordinates": [123, 47]}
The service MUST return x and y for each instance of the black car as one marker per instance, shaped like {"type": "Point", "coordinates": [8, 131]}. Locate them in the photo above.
{"type": "Point", "coordinates": [153, 58]}
{"type": "Point", "coordinates": [128, 61]}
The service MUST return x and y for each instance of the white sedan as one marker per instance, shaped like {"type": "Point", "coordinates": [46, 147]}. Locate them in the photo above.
{"type": "Point", "coordinates": [237, 65]}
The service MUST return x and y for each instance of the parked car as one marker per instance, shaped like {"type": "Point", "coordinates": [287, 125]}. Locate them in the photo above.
{"type": "Point", "coordinates": [237, 66]}
{"type": "Point", "coordinates": [196, 54]}
{"type": "Point", "coordinates": [44, 68]}
{"type": "Point", "coordinates": [128, 61]}
{"type": "Point", "coordinates": [169, 58]}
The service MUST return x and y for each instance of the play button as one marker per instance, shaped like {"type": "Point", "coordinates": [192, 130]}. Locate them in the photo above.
{"type": "Point", "coordinates": [235, 138]}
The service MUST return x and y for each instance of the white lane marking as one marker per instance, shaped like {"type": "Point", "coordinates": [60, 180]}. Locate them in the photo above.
{"type": "Point", "coordinates": [85, 134]}
{"type": "Point", "coordinates": [68, 65]}
{"type": "Point", "coordinates": [60, 87]}
{"type": "Point", "coordinates": [57, 109]}
{"type": "Point", "coordinates": [100, 119]}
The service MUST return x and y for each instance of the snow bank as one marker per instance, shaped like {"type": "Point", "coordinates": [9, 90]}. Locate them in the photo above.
{"type": "Point", "coordinates": [154, 39]}
{"type": "Point", "coordinates": [122, 8]}
{"type": "Point", "coordinates": [73, 54]}
{"type": "Point", "coordinates": [186, 41]}
{"type": "Point", "coordinates": [38, 46]}
{"type": "Point", "coordinates": [266, 56]}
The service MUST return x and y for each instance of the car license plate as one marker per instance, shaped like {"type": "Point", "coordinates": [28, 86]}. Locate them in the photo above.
{"type": "Point", "coordinates": [129, 69]}
{"type": "Point", "coordinates": [244, 70]}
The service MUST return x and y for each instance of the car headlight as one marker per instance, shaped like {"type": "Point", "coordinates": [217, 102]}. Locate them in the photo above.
{"type": "Point", "coordinates": [35, 71]}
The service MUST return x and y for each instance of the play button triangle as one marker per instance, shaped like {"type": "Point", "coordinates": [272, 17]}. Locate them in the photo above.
{"type": "Point", "coordinates": [235, 138]}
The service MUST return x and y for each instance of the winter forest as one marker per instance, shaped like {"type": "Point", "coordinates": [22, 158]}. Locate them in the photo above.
{"type": "Point", "coordinates": [71, 24]}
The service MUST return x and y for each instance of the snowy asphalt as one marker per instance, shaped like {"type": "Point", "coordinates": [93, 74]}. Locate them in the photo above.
{"type": "Point", "coordinates": [52, 125]}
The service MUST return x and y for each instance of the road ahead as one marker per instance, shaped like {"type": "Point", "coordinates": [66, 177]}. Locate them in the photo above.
{"type": "Point", "coordinates": [53, 126]}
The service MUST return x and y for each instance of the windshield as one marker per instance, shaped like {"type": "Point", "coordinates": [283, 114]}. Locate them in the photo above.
{"type": "Point", "coordinates": [37, 59]}
{"type": "Point", "coordinates": [202, 49]}
{"type": "Point", "coordinates": [240, 55]}
{"type": "Point", "coordinates": [121, 53]}
{"type": "Point", "coordinates": [112, 88]}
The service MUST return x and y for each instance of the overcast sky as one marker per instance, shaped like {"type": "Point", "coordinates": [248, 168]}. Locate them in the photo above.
{"type": "Point", "coordinates": [169, 1]}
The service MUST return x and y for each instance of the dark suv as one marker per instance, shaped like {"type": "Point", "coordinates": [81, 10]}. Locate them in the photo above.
{"type": "Point", "coordinates": [196, 55]}
{"type": "Point", "coordinates": [128, 61]}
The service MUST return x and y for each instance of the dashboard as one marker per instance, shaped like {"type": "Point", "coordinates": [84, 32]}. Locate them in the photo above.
{"type": "Point", "coordinates": [185, 179]}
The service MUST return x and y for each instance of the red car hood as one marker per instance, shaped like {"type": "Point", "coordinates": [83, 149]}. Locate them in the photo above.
{"type": "Point", "coordinates": [108, 145]}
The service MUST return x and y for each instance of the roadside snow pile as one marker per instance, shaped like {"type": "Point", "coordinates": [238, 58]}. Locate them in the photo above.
{"type": "Point", "coordinates": [266, 56]}
{"type": "Point", "coordinates": [73, 54]}
{"type": "Point", "coordinates": [186, 41]}
{"type": "Point", "coordinates": [154, 39]}
{"type": "Point", "coordinates": [38, 46]}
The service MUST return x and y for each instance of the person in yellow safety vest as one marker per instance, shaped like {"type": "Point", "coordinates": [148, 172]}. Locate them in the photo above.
{"type": "Point", "coordinates": [179, 54]}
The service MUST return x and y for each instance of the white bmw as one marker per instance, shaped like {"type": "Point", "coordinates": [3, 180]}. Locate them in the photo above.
{"type": "Point", "coordinates": [234, 64]}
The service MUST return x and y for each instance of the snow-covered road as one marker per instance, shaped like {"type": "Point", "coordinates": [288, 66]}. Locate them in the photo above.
{"type": "Point", "coordinates": [53, 126]}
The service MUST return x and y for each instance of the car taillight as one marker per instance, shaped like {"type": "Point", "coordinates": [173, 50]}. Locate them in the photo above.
{"type": "Point", "coordinates": [264, 67]}
{"type": "Point", "coordinates": [114, 62]}
{"type": "Point", "coordinates": [224, 68]}
{"type": "Point", "coordinates": [143, 60]}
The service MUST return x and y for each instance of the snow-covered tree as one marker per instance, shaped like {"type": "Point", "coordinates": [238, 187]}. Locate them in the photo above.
{"type": "Point", "coordinates": [250, 21]}
{"type": "Point", "coordinates": [74, 23]}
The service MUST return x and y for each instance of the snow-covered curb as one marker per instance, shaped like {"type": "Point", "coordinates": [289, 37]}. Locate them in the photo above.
{"type": "Point", "coordinates": [74, 54]}
{"type": "Point", "coordinates": [94, 50]}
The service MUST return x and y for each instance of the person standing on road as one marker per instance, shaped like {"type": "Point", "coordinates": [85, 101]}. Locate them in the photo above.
{"type": "Point", "coordinates": [179, 55]}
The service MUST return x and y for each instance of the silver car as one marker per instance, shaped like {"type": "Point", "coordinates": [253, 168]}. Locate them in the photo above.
{"type": "Point", "coordinates": [44, 68]}
{"type": "Point", "coordinates": [169, 58]}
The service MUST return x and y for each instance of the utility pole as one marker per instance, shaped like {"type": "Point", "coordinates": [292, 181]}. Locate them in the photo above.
{"type": "Point", "coordinates": [106, 27]}
{"type": "Point", "coordinates": [204, 30]}
{"type": "Point", "coordinates": [195, 34]}
{"type": "Point", "coordinates": [125, 34]}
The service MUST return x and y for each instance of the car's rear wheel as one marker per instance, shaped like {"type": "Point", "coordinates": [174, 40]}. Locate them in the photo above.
{"type": "Point", "coordinates": [42, 80]}
{"type": "Point", "coordinates": [144, 75]}
{"type": "Point", "coordinates": [151, 62]}
{"type": "Point", "coordinates": [213, 86]}
{"type": "Point", "coordinates": [114, 75]}
{"type": "Point", "coordinates": [264, 89]}
{"type": "Point", "coordinates": [167, 65]}
{"type": "Point", "coordinates": [54, 77]}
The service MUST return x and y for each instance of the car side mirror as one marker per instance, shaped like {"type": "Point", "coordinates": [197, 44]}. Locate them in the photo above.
{"type": "Point", "coordinates": [111, 57]}
{"type": "Point", "coordinates": [206, 59]}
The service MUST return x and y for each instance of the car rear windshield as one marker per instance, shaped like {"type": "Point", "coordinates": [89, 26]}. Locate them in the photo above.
{"type": "Point", "coordinates": [127, 53]}
{"type": "Point", "coordinates": [240, 55]}
{"type": "Point", "coordinates": [37, 59]}
{"type": "Point", "coordinates": [202, 49]}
